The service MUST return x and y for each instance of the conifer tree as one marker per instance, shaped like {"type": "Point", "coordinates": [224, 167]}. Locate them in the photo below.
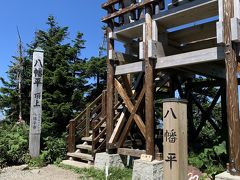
{"type": "Point", "coordinates": [64, 84]}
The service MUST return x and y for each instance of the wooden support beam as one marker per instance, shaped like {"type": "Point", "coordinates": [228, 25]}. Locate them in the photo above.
{"type": "Point", "coordinates": [117, 130]}
{"type": "Point", "coordinates": [110, 92]}
{"type": "Point", "coordinates": [123, 117]}
{"type": "Point", "coordinates": [195, 57]}
{"type": "Point", "coordinates": [184, 59]}
{"type": "Point", "coordinates": [209, 70]}
{"type": "Point", "coordinates": [232, 88]}
{"type": "Point", "coordinates": [206, 113]}
{"type": "Point", "coordinates": [205, 83]}
{"type": "Point", "coordinates": [130, 120]}
{"type": "Point", "coordinates": [149, 78]}
{"type": "Point", "coordinates": [131, 152]}
{"type": "Point", "coordinates": [132, 109]}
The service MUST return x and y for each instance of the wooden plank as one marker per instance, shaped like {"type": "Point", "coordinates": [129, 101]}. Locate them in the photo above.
{"type": "Point", "coordinates": [126, 10]}
{"type": "Point", "coordinates": [232, 89]}
{"type": "Point", "coordinates": [194, 57]}
{"type": "Point", "coordinates": [110, 3]}
{"type": "Point", "coordinates": [130, 68]}
{"type": "Point", "coordinates": [130, 152]}
{"type": "Point", "coordinates": [194, 33]}
{"type": "Point", "coordinates": [198, 45]}
{"type": "Point", "coordinates": [209, 70]}
{"type": "Point", "coordinates": [125, 58]}
{"type": "Point", "coordinates": [129, 31]}
{"type": "Point", "coordinates": [175, 139]}
{"type": "Point", "coordinates": [187, 13]}
{"type": "Point", "coordinates": [118, 127]}
{"type": "Point", "coordinates": [124, 95]}
{"type": "Point", "coordinates": [84, 146]}
{"type": "Point", "coordinates": [82, 156]}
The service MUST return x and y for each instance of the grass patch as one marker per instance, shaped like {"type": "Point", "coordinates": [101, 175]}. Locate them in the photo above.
{"type": "Point", "coordinates": [91, 173]}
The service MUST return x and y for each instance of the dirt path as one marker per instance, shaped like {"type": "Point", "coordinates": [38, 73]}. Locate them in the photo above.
{"type": "Point", "coordinates": [50, 172]}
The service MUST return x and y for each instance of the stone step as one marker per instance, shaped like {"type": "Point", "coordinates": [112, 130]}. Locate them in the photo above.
{"type": "Point", "coordinates": [89, 139]}
{"type": "Point", "coordinates": [77, 164]}
{"type": "Point", "coordinates": [83, 156]}
{"type": "Point", "coordinates": [84, 146]}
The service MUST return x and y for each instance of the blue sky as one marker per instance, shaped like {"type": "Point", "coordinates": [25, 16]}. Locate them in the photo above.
{"type": "Point", "coordinates": [79, 15]}
{"type": "Point", "coordinates": [29, 16]}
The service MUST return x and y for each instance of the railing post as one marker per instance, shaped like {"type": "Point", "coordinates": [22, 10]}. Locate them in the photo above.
{"type": "Point", "coordinates": [103, 111]}
{"type": "Point", "coordinates": [71, 136]}
{"type": "Point", "coordinates": [88, 116]}
{"type": "Point", "coordinates": [94, 135]}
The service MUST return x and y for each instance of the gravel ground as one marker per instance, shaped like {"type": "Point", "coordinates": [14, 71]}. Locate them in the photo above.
{"type": "Point", "coordinates": [49, 172]}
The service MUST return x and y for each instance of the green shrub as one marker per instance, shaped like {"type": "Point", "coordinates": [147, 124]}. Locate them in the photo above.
{"type": "Point", "coordinates": [211, 160]}
{"type": "Point", "coordinates": [14, 147]}
{"type": "Point", "coordinates": [54, 149]}
{"type": "Point", "coordinates": [35, 162]}
{"type": "Point", "coordinates": [13, 143]}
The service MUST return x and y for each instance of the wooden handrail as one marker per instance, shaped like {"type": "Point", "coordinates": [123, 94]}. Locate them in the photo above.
{"type": "Point", "coordinates": [100, 135]}
{"type": "Point", "coordinates": [95, 101]}
{"type": "Point", "coordinates": [99, 124]}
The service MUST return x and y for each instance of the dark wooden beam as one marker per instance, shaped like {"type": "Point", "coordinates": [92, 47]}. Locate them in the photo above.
{"type": "Point", "coordinates": [110, 91]}
{"type": "Point", "coordinates": [232, 88]}
{"type": "Point", "coordinates": [149, 78]}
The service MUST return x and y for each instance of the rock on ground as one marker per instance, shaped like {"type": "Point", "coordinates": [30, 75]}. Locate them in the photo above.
{"type": "Point", "coordinates": [49, 172]}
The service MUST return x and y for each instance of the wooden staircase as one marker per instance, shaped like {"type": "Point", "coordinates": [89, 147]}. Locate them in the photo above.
{"type": "Point", "coordinates": [87, 132]}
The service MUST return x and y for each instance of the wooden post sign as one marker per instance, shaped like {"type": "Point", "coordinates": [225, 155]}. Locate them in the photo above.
{"type": "Point", "coordinates": [175, 139]}
{"type": "Point", "coordinates": [36, 103]}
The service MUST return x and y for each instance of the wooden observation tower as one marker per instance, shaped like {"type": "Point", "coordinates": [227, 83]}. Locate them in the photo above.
{"type": "Point", "coordinates": [167, 46]}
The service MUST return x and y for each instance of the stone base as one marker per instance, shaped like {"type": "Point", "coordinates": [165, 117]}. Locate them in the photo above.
{"type": "Point", "coordinates": [226, 176]}
{"type": "Point", "coordinates": [111, 160]}
{"type": "Point", "coordinates": [143, 170]}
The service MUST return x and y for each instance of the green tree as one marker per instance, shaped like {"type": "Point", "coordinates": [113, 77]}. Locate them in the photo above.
{"type": "Point", "coordinates": [9, 92]}
{"type": "Point", "coordinates": [64, 84]}
{"type": "Point", "coordinates": [97, 73]}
